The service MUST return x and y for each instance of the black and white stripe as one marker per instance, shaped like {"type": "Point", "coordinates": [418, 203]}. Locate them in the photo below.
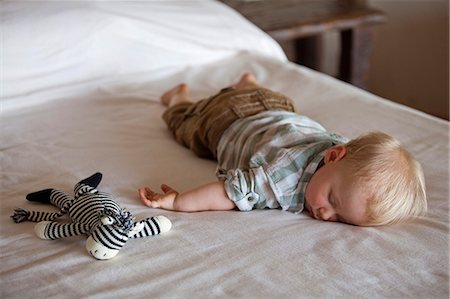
{"type": "Point", "coordinates": [86, 208]}
{"type": "Point", "coordinates": [110, 237]}
{"type": "Point", "coordinates": [61, 199]}
{"type": "Point", "coordinates": [35, 216]}
{"type": "Point", "coordinates": [93, 213]}
{"type": "Point", "coordinates": [58, 198]}
{"type": "Point", "coordinates": [151, 227]}
{"type": "Point", "coordinates": [54, 230]}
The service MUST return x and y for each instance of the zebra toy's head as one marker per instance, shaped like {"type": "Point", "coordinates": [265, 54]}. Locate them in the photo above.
{"type": "Point", "coordinates": [112, 232]}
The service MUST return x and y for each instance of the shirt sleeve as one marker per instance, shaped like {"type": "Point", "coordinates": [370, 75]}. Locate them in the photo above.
{"type": "Point", "coordinates": [241, 188]}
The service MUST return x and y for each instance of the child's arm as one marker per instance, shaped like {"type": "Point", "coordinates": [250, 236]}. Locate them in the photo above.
{"type": "Point", "coordinates": [209, 197]}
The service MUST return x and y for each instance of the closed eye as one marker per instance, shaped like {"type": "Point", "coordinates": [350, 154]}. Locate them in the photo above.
{"type": "Point", "coordinates": [331, 200]}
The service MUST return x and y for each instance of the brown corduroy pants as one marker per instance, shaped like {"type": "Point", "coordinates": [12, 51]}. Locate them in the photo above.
{"type": "Point", "coordinates": [199, 125]}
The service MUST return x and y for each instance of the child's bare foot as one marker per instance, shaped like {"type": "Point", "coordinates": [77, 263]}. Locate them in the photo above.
{"type": "Point", "coordinates": [246, 81]}
{"type": "Point", "coordinates": [175, 95]}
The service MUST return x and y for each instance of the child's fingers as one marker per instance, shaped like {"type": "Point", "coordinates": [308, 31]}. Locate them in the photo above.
{"type": "Point", "coordinates": [167, 189]}
{"type": "Point", "coordinates": [143, 196]}
{"type": "Point", "coordinates": [148, 197]}
{"type": "Point", "coordinates": [149, 192]}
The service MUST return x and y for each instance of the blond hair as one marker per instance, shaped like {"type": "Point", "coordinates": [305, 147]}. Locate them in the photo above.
{"type": "Point", "coordinates": [391, 175]}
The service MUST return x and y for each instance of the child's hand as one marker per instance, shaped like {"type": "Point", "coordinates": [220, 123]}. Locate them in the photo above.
{"type": "Point", "coordinates": [156, 200]}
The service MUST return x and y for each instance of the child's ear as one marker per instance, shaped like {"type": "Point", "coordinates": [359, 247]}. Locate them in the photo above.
{"type": "Point", "coordinates": [335, 153]}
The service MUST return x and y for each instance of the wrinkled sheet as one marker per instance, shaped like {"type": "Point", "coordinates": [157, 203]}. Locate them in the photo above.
{"type": "Point", "coordinates": [55, 136]}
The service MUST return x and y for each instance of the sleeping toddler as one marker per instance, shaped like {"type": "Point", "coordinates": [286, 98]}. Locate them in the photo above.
{"type": "Point", "coordinates": [270, 157]}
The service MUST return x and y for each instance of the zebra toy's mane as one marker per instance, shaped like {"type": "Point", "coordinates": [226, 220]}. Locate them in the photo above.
{"type": "Point", "coordinates": [93, 213]}
{"type": "Point", "coordinates": [123, 219]}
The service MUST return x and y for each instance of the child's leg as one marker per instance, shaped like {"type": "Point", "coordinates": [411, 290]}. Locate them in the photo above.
{"type": "Point", "coordinates": [185, 119]}
{"type": "Point", "coordinates": [199, 125]}
{"type": "Point", "coordinates": [176, 95]}
{"type": "Point", "coordinates": [180, 118]}
{"type": "Point", "coordinates": [247, 81]}
{"type": "Point", "coordinates": [180, 93]}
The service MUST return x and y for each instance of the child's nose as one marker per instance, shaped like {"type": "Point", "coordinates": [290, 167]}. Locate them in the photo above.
{"type": "Point", "coordinates": [326, 214]}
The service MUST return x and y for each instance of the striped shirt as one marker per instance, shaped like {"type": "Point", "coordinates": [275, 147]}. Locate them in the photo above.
{"type": "Point", "coordinates": [266, 160]}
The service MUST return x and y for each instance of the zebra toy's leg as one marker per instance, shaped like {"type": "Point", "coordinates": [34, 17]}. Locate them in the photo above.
{"type": "Point", "coordinates": [21, 215]}
{"type": "Point", "coordinates": [153, 226]}
{"type": "Point", "coordinates": [57, 198]}
{"type": "Point", "coordinates": [49, 230]}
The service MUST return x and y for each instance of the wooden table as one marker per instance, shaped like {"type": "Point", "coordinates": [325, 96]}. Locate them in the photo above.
{"type": "Point", "coordinates": [300, 24]}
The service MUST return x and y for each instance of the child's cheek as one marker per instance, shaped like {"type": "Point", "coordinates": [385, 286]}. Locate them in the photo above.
{"type": "Point", "coordinates": [310, 195]}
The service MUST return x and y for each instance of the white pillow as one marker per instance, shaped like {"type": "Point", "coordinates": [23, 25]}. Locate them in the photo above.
{"type": "Point", "coordinates": [55, 49]}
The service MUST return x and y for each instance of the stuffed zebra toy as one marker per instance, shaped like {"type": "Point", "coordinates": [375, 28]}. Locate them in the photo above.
{"type": "Point", "coordinates": [93, 213]}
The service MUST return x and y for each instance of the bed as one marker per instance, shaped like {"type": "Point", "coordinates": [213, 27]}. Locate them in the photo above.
{"type": "Point", "coordinates": [80, 93]}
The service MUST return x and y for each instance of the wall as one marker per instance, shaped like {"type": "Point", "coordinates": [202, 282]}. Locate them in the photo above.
{"type": "Point", "coordinates": [410, 54]}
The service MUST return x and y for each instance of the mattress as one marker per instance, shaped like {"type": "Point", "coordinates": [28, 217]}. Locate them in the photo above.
{"type": "Point", "coordinates": [81, 83]}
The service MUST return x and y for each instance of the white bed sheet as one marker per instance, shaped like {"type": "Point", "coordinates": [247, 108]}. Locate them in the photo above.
{"type": "Point", "coordinates": [57, 135]}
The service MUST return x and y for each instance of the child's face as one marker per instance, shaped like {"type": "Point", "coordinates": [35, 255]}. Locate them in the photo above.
{"type": "Point", "coordinates": [333, 194]}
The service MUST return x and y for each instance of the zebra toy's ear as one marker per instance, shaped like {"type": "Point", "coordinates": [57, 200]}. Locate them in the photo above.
{"type": "Point", "coordinates": [136, 229]}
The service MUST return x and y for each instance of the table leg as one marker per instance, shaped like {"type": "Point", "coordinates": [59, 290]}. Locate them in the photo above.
{"type": "Point", "coordinates": [309, 52]}
{"type": "Point", "coordinates": [355, 56]}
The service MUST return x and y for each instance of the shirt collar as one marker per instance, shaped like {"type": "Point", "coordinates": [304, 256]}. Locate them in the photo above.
{"type": "Point", "coordinates": [316, 163]}
{"type": "Point", "coordinates": [311, 168]}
